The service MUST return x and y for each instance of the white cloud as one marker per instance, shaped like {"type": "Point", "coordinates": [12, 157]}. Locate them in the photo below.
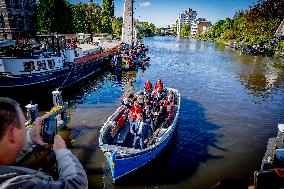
{"type": "Point", "coordinates": [145, 4]}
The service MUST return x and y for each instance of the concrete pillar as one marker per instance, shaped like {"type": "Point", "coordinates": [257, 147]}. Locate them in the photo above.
{"type": "Point", "coordinates": [128, 23]}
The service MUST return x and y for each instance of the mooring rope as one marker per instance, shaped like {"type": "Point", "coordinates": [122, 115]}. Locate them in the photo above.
{"type": "Point", "coordinates": [64, 80]}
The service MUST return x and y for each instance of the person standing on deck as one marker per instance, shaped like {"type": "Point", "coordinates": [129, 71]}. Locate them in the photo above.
{"type": "Point", "coordinates": [141, 129]}
{"type": "Point", "coordinates": [159, 86]}
{"type": "Point", "coordinates": [148, 118]}
{"type": "Point", "coordinates": [134, 111]}
{"type": "Point", "coordinates": [148, 87]}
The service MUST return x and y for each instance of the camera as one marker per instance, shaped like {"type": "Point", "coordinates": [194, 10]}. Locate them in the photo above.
{"type": "Point", "coordinates": [49, 130]}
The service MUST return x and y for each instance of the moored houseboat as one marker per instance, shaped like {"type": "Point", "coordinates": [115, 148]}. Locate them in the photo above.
{"type": "Point", "coordinates": [25, 67]}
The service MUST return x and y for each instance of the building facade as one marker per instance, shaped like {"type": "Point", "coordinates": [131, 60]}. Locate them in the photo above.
{"type": "Point", "coordinates": [173, 28]}
{"type": "Point", "coordinates": [188, 17]}
{"type": "Point", "coordinates": [193, 28]}
{"type": "Point", "coordinates": [203, 27]}
{"type": "Point", "coordinates": [17, 18]}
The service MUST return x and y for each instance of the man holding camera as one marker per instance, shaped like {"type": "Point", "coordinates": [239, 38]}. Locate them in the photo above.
{"type": "Point", "coordinates": [15, 140]}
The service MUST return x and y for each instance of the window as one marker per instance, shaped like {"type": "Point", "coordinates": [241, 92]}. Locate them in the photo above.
{"type": "Point", "coordinates": [51, 63]}
{"type": "Point", "coordinates": [41, 65]}
{"type": "Point", "coordinates": [29, 66]}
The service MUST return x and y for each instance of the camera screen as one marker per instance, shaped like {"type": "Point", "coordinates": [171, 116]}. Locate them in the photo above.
{"type": "Point", "coordinates": [49, 130]}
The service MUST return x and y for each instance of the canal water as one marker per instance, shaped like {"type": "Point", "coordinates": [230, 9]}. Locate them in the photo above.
{"type": "Point", "coordinates": [230, 107]}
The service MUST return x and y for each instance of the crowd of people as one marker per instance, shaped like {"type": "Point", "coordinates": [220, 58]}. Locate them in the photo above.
{"type": "Point", "coordinates": [148, 111]}
{"type": "Point", "coordinates": [128, 58]}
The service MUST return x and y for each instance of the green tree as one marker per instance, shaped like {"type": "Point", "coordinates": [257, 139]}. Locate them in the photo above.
{"type": "Point", "coordinates": [93, 18]}
{"type": "Point", "coordinates": [145, 30]}
{"type": "Point", "coordinates": [80, 15]}
{"type": "Point", "coordinates": [185, 31]}
{"type": "Point", "coordinates": [55, 16]}
{"type": "Point", "coordinates": [107, 15]}
{"type": "Point", "coordinates": [87, 18]}
{"type": "Point", "coordinates": [255, 25]}
{"type": "Point", "coordinates": [117, 24]}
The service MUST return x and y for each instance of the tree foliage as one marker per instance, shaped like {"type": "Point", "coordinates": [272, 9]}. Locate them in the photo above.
{"type": "Point", "coordinates": [145, 29]}
{"type": "Point", "coordinates": [54, 16]}
{"type": "Point", "coordinates": [80, 15]}
{"type": "Point", "coordinates": [94, 15]}
{"type": "Point", "coordinates": [185, 31]}
{"type": "Point", "coordinates": [117, 24]}
{"type": "Point", "coordinates": [256, 25]}
{"type": "Point", "coordinates": [107, 15]}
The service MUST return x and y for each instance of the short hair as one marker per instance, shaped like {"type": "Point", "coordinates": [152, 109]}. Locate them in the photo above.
{"type": "Point", "coordinates": [9, 116]}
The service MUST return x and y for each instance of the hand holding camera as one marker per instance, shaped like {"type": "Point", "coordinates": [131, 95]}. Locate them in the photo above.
{"type": "Point", "coordinates": [44, 133]}
{"type": "Point", "coordinates": [36, 131]}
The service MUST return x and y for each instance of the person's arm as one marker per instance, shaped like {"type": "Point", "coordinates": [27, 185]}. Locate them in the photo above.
{"type": "Point", "coordinates": [71, 172]}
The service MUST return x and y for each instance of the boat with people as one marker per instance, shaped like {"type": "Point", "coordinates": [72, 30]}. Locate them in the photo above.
{"type": "Point", "coordinates": [139, 129]}
{"type": "Point", "coordinates": [58, 64]}
{"type": "Point", "coordinates": [129, 59]}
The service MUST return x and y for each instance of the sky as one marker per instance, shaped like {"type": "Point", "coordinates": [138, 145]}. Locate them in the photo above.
{"type": "Point", "coordinates": [164, 12]}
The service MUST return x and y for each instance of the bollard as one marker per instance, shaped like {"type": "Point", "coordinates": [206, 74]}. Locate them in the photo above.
{"type": "Point", "coordinates": [57, 101]}
{"type": "Point", "coordinates": [32, 113]}
{"type": "Point", "coordinates": [57, 98]}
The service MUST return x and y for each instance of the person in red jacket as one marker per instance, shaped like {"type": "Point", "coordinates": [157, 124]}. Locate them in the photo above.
{"type": "Point", "coordinates": [134, 111]}
{"type": "Point", "coordinates": [159, 86]}
{"type": "Point", "coordinates": [148, 86]}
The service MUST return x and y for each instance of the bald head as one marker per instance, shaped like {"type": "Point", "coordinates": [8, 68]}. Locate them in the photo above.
{"type": "Point", "coordinates": [9, 115]}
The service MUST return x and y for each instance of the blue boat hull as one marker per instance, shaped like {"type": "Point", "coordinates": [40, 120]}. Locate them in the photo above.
{"type": "Point", "coordinates": [121, 166]}
{"type": "Point", "coordinates": [64, 77]}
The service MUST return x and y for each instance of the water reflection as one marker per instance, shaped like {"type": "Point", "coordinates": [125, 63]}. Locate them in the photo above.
{"type": "Point", "coordinates": [259, 76]}
{"type": "Point", "coordinates": [190, 44]}
{"type": "Point", "coordinates": [257, 84]}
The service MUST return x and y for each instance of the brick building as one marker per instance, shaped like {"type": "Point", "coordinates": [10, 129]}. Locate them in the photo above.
{"type": "Point", "coordinates": [204, 26]}
{"type": "Point", "coordinates": [17, 18]}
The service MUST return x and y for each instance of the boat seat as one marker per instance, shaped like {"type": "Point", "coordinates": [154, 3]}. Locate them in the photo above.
{"type": "Point", "coordinates": [122, 134]}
